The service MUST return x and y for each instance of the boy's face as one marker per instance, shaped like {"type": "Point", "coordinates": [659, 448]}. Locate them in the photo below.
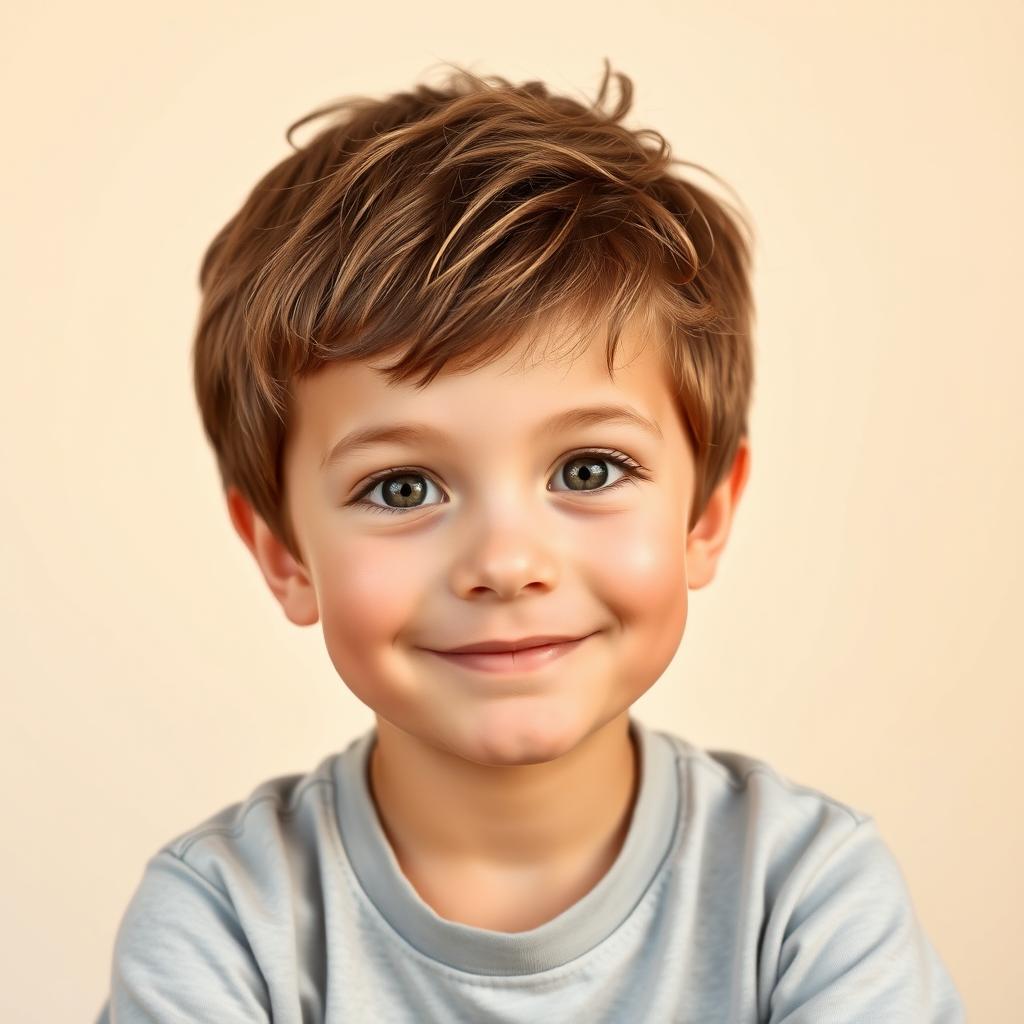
{"type": "Point", "coordinates": [489, 540]}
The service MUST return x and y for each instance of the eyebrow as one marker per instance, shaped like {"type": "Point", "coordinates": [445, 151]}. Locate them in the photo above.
{"type": "Point", "coordinates": [424, 433]}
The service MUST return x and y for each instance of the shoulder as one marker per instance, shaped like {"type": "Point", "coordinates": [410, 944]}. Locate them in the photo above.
{"type": "Point", "coordinates": [815, 881]}
{"type": "Point", "coordinates": [745, 775]}
{"type": "Point", "coordinates": [217, 905]}
{"type": "Point", "coordinates": [273, 802]}
{"type": "Point", "coordinates": [284, 820]}
{"type": "Point", "coordinates": [781, 829]}
{"type": "Point", "coordinates": [733, 778]}
{"type": "Point", "coordinates": [213, 886]}
{"type": "Point", "coordinates": [724, 784]}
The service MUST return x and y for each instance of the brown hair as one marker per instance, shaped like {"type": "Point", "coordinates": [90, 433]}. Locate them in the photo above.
{"type": "Point", "coordinates": [444, 224]}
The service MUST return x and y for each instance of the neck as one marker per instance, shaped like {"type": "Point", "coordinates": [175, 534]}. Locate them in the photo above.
{"type": "Point", "coordinates": [533, 820]}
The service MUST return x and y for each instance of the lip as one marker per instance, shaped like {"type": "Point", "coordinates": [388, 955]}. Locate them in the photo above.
{"type": "Point", "coordinates": [504, 646]}
{"type": "Point", "coordinates": [525, 659]}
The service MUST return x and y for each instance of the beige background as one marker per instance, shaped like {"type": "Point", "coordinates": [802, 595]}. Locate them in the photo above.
{"type": "Point", "coordinates": [863, 634]}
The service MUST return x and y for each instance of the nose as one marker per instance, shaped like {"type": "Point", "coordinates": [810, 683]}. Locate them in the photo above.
{"type": "Point", "coordinates": [503, 560]}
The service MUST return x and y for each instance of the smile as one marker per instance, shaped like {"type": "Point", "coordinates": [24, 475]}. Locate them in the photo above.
{"type": "Point", "coordinates": [526, 660]}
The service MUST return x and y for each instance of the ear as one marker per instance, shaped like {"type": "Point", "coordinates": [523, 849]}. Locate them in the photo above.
{"type": "Point", "coordinates": [706, 540]}
{"type": "Point", "coordinates": [288, 579]}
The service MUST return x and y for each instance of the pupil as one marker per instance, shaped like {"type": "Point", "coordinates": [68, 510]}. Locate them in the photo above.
{"type": "Point", "coordinates": [580, 472]}
{"type": "Point", "coordinates": [404, 489]}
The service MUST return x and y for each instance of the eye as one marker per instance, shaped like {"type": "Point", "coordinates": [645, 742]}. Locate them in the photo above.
{"type": "Point", "coordinates": [588, 471]}
{"type": "Point", "coordinates": [405, 487]}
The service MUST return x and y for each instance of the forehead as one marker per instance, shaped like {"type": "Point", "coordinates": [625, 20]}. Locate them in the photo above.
{"type": "Point", "coordinates": [527, 384]}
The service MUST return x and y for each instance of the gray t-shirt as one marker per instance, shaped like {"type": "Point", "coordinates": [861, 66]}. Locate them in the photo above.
{"type": "Point", "coordinates": [738, 896]}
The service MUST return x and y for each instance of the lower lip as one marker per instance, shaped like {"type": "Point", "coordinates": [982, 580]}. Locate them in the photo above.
{"type": "Point", "coordinates": [526, 660]}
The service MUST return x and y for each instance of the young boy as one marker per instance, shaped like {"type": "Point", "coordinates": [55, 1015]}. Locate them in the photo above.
{"type": "Point", "coordinates": [476, 368]}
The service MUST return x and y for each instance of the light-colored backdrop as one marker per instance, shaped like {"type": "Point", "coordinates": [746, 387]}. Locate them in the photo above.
{"type": "Point", "coordinates": [864, 632]}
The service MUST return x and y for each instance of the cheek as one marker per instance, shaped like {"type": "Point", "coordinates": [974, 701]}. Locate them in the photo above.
{"type": "Point", "coordinates": [639, 567]}
{"type": "Point", "coordinates": [367, 598]}
{"type": "Point", "coordinates": [638, 572]}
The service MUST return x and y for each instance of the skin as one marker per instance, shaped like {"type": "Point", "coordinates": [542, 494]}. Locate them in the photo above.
{"type": "Point", "coordinates": [505, 799]}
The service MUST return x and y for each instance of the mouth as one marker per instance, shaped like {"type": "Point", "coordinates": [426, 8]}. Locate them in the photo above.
{"type": "Point", "coordinates": [527, 659]}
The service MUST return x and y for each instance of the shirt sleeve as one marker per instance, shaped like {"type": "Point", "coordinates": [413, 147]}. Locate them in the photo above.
{"type": "Point", "coordinates": [181, 955]}
{"type": "Point", "coordinates": [854, 950]}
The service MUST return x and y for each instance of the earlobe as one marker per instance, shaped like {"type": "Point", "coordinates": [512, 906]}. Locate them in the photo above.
{"type": "Point", "coordinates": [241, 515]}
{"type": "Point", "coordinates": [707, 539]}
{"type": "Point", "coordinates": [288, 580]}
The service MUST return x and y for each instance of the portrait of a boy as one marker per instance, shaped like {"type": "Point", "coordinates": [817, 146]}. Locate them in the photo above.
{"type": "Point", "coordinates": [476, 363]}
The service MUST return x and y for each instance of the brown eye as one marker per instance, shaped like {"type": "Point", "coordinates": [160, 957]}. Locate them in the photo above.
{"type": "Point", "coordinates": [585, 473]}
{"type": "Point", "coordinates": [405, 491]}
{"type": "Point", "coordinates": [588, 471]}
{"type": "Point", "coordinates": [401, 489]}
{"type": "Point", "coordinates": [405, 488]}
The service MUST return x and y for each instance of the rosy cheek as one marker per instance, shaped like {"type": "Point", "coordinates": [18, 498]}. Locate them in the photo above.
{"type": "Point", "coordinates": [367, 602]}
{"type": "Point", "coordinates": [640, 565]}
{"type": "Point", "coordinates": [373, 589]}
{"type": "Point", "coordinates": [650, 598]}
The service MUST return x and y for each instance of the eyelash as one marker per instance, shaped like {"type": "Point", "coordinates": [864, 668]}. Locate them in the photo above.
{"type": "Point", "coordinates": [632, 470]}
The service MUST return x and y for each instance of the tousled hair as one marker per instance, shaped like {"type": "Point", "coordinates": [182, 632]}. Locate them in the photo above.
{"type": "Point", "coordinates": [445, 224]}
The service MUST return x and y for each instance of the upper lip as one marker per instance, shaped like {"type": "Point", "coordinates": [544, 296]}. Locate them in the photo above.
{"type": "Point", "coordinates": [494, 646]}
